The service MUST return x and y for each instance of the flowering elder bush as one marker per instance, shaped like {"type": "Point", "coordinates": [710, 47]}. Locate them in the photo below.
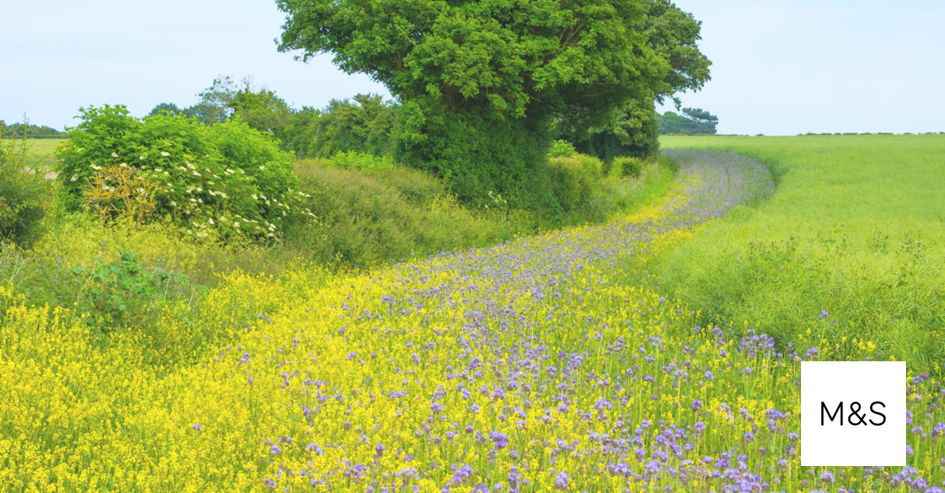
{"type": "Point", "coordinates": [227, 177]}
{"type": "Point", "coordinates": [536, 365]}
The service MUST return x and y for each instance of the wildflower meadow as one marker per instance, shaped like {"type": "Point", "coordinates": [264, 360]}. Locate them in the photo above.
{"type": "Point", "coordinates": [552, 362]}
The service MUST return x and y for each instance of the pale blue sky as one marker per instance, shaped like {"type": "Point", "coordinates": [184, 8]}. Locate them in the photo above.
{"type": "Point", "coordinates": [780, 67]}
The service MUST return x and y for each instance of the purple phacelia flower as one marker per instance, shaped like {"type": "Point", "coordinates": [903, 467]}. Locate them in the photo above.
{"type": "Point", "coordinates": [562, 481]}
{"type": "Point", "coordinates": [462, 474]}
{"type": "Point", "coordinates": [696, 405]}
{"type": "Point", "coordinates": [499, 439]}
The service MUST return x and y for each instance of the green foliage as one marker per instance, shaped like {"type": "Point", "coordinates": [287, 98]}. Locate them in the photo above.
{"type": "Point", "coordinates": [125, 293]}
{"type": "Point", "coordinates": [226, 178]}
{"type": "Point", "coordinates": [216, 102]}
{"type": "Point", "coordinates": [360, 161]}
{"type": "Point", "coordinates": [23, 193]}
{"type": "Point", "coordinates": [674, 36]}
{"type": "Point", "coordinates": [476, 155]}
{"type": "Point", "coordinates": [698, 122]}
{"type": "Point", "coordinates": [573, 179]}
{"type": "Point", "coordinates": [262, 110]}
{"type": "Point", "coordinates": [855, 228]}
{"type": "Point", "coordinates": [365, 125]}
{"type": "Point", "coordinates": [561, 148]}
{"type": "Point", "coordinates": [633, 131]}
{"type": "Point", "coordinates": [478, 80]}
{"type": "Point", "coordinates": [627, 166]}
{"type": "Point", "coordinates": [167, 108]}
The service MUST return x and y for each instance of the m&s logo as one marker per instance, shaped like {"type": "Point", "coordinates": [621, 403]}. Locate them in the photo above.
{"type": "Point", "coordinates": [854, 418]}
{"type": "Point", "coordinates": [853, 413]}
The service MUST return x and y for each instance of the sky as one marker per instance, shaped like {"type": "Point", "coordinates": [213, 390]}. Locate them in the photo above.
{"type": "Point", "coordinates": [780, 67]}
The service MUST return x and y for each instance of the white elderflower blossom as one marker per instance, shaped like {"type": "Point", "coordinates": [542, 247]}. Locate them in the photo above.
{"type": "Point", "coordinates": [210, 220]}
{"type": "Point", "coordinates": [114, 155]}
{"type": "Point", "coordinates": [165, 153]}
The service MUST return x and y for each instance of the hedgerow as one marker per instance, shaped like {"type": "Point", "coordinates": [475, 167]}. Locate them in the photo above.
{"type": "Point", "coordinates": [226, 178]}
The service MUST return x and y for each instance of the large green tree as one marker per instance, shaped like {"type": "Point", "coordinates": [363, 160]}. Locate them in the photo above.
{"type": "Point", "coordinates": [480, 81]}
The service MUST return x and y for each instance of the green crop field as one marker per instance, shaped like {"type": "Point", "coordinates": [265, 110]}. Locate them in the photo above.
{"type": "Point", "coordinates": [856, 228]}
{"type": "Point", "coordinates": [43, 148]}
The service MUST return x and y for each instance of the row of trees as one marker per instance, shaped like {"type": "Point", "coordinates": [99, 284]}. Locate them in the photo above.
{"type": "Point", "coordinates": [28, 130]}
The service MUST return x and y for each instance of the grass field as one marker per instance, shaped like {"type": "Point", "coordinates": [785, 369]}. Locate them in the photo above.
{"type": "Point", "coordinates": [44, 147]}
{"type": "Point", "coordinates": [856, 228]}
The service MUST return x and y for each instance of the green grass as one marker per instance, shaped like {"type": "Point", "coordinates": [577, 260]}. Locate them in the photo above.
{"type": "Point", "coordinates": [855, 228]}
{"type": "Point", "coordinates": [43, 148]}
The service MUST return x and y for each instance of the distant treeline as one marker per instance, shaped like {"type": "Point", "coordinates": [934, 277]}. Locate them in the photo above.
{"type": "Point", "coordinates": [693, 121]}
{"type": "Point", "coordinates": [26, 130]}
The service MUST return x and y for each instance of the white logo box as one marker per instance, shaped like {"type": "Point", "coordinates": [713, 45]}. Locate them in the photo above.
{"type": "Point", "coordinates": [873, 394]}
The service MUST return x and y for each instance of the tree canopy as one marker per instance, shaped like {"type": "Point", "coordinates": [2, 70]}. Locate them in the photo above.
{"type": "Point", "coordinates": [503, 58]}
{"type": "Point", "coordinates": [674, 36]}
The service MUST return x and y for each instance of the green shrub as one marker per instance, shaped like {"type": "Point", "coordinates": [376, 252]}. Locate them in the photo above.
{"type": "Point", "coordinates": [227, 178]}
{"type": "Point", "coordinates": [474, 154]}
{"type": "Point", "coordinates": [360, 161]}
{"type": "Point", "coordinates": [561, 148]}
{"type": "Point", "coordinates": [572, 181]}
{"type": "Point", "coordinates": [627, 166]}
{"type": "Point", "coordinates": [592, 166]}
{"type": "Point", "coordinates": [125, 293]}
{"type": "Point", "coordinates": [23, 192]}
